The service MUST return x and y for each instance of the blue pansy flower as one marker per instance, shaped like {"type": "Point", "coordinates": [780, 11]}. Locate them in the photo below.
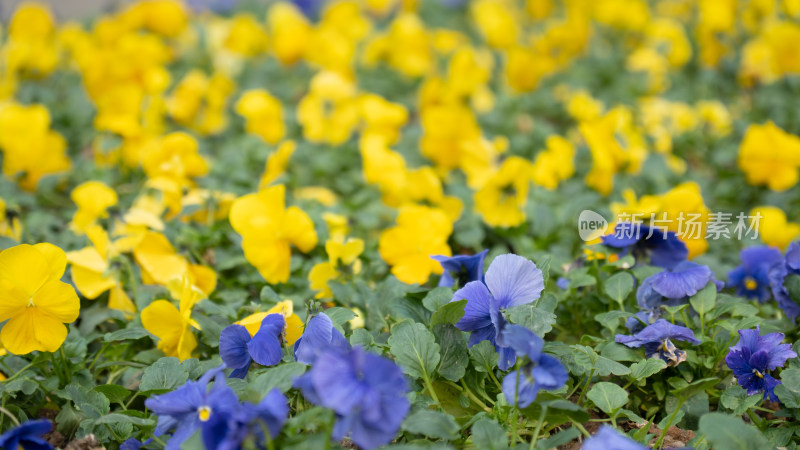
{"type": "Point", "coordinates": [751, 278]}
{"type": "Point", "coordinates": [657, 341]}
{"type": "Point", "coordinates": [754, 357]}
{"type": "Point", "coordinates": [366, 391]}
{"type": "Point", "coordinates": [185, 409]}
{"type": "Point", "coordinates": [27, 436]}
{"type": "Point", "coordinates": [670, 287]}
{"type": "Point", "coordinates": [131, 444]}
{"type": "Point", "coordinates": [461, 268]}
{"type": "Point", "coordinates": [540, 371]}
{"type": "Point", "coordinates": [777, 277]}
{"type": "Point", "coordinates": [511, 280]}
{"type": "Point", "coordinates": [607, 438]}
{"type": "Point", "coordinates": [247, 422]}
{"type": "Point", "coordinates": [318, 337]}
{"type": "Point", "coordinates": [664, 249]}
{"type": "Point", "coordinates": [238, 349]}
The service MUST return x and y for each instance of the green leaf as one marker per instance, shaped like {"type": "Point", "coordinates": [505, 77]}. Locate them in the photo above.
{"type": "Point", "coordinates": [488, 434]}
{"type": "Point", "coordinates": [269, 296]}
{"type": "Point", "coordinates": [582, 280]}
{"type": "Point", "coordinates": [363, 338]}
{"type": "Point", "coordinates": [437, 297]}
{"type": "Point", "coordinates": [433, 424]}
{"type": "Point", "coordinates": [647, 367]}
{"type": "Point", "coordinates": [126, 334]}
{"type": "Point", "coordinates": [791, 379]}
{"type": "Point", "coordinates": [543, 263]}
{"type": "Point", "coordinates": [728, 432]}
{"type": "Point", "coordinates": [280, 376]}
{"type": "Point", "coordinates": [449, 313]}
{"type": "Point", "coordinates": [484, 356]}
{"type": "Point", "coordinates": [124, 418]}
{"type": "Point", "coordinates": [618, 286]}
{"type": "Point", "coordinates": [339, 315]}
{"type": "Point", "coordinates": [736, 399]}
{"type": "Point", "coordinates": [610, 319]}
{"type": "Point", "coordinates": [414, 348]}
{"type": "Point", "coordinates": [589, 360]}
{"type": "Point", "coordinates": [532, 318]}
{"type": "Point", "coordinates": [454, 357]}
{"type": "Point", "coordinates": [608, 396]}
{"type": "Point", "coordinates": [788, 397]}
{"type": "Point", "coordinates": [705, 299]}
{"type": "Point", "coordinates": [165, 374]}
{"type": "Point", "coordinates": [114, 392]}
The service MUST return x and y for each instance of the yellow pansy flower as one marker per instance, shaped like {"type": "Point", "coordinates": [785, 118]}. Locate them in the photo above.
{"type": "Point", "coordinates": [342, 260]}
{"type": "Point", "coordinates": [268, 229]}
{"type": "Point", "coordinates": [35, 302]}
{"type": "Point", "coordinates": [330, 111]}
{"type": "Point", "coordinates": [501, 200]}
{"type": "Point", "coordinates": [421, 231]}
{"type": "Point", "coordinates": [770, 156]}
{"type": "Point", "coordinates": [773, 227]}
{"type": "Point", "coordinates": [175, 157]}
{"type": "Point", "coordinates": [263, 115]}
{"type": "Point", "coordinates": [173, 326]}
{"type": "Point", "coordinates": [277, 162]}
{"type": "Point", "coordinates": [92, 273]}
{"type": "Point", "coordinates": [93, 198]}
{"type": "Point", "coordinates": [290, 30]}
{"type": "Point", "coordinates": [161, 264]}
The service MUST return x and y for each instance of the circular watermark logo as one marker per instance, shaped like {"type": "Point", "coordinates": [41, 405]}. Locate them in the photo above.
{"type": "Point", "coordinates": [591, 225]}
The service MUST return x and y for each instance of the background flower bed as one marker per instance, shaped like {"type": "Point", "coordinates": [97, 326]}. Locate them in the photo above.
{"type": "Point", "coordinates": [201, 169]}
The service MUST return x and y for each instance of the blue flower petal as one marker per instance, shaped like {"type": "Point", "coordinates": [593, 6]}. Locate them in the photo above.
{"type": "Point", "coordinates": [233, 347]}
{"type": "Point", "coordinates": [514, 280]}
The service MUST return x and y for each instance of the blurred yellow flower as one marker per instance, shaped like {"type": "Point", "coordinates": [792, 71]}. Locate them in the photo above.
{"type": "Point", "coordinates": [501, 201]}
{"type": "Point", "coordinates": [330, 111]}
{"type": "Point", "coordinates": [342, 261]}
{"type": "Point", "coordinates": [268, 229]}
{"type": "Point", "coordinates": [770, 156]}
{"type": "Point", "coordinates": [773, 227]}
{"type": "Point", "coordinates": [92, 198]}
{"type": "Point", "coordinates": [263, 115]}
{"type": "Point", "coordinates": [420, 232]}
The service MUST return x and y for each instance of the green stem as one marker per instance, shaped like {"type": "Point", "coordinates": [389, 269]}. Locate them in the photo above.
{"type": "Point", "coordinates": [661, 438]}
{"type": "Point", "coordinates": [754, 418]}
{"type": "Point", "coordinates": [429, 385]}
{"type": "Point", "coordinates": [494, 378]}
{"type": "Point", "coordinates": [19, 372]}
{"type": "Point", "coordinates": [581, 429]}
{"type": "Point", "coordinates": [66, 365]}
{"type": "Point", "coordinates": [515, 414]}
{"type": "Point", "coordinates": [97, 356]}
{"type": "Point", "coordinates": [538, 428]}
{"type": "Point", "coordinates": [10, 416]}
{"type": "Point", "coordinates": [585, 386]}
{"type": "Point", "coordinates": [471, 395]}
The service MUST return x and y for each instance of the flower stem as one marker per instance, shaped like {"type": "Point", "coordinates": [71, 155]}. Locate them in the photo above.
{"type": "Point", "coordinates": [538, 428]}
{"type": "Point", "coordinates": [661, 438]}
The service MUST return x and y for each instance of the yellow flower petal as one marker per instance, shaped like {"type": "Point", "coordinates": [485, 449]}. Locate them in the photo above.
{"type": "Point", "coordinates": [59, 300]}
{"type": "Point", "coordinates": [24, 267]}
{"type": "Point", "coordinates": [33, 330]}
{"type": "Point", "coordinates": [90, 283]}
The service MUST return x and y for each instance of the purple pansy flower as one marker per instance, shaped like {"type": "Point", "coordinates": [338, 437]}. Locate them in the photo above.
{"type": "Point", "coordinates": [366, 391]}
{"type": "Point", "coordinates": [185, 409]}
{"type": "Point", "coordinates": [27, 436]}
{"type": "Point", "coordinates": [754, 356]}
{"type": "Point", "coordinates": [318, 337]}
{"type": "Point", "coordinates": [777, 278]}
{"type": "Point", "coordinates": [607, 438]}
{"type": "Point", "coordinates": [258, 423]}
{"type": "Point", "coordinates": [461, 268]}
{"type": "Point", "coordinates": [664, 249]}
{"type": "Point", "coordinates": [238, 349]}
{"type": "Point", "coordinates": [751, 278]}
{"type": "Point", "coordinates": [657, 341]}
{"type": "Point", "coordinates": [540, 371]}
{"type": "Point", "coordinates": [511, 280]}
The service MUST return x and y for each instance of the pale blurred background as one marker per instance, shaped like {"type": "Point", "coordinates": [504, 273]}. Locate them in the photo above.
{"type": "Point", "coordinates": [65, 9]}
